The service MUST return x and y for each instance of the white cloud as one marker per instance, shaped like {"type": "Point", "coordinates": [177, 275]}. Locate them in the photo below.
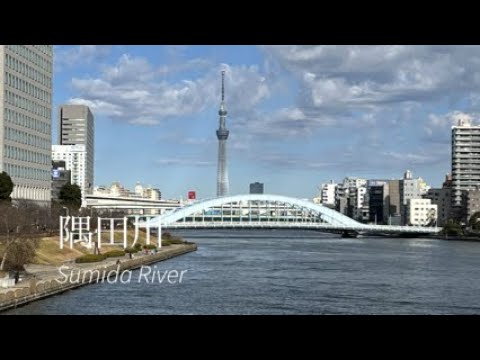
{"type": "Point", "coordinates": [128, 70]}
{"type": "Point", "coordinates": [84, 54]}
{"type": "Point", "coordinates": [351, 79]}
{"type": "Point", "coordinates": [438, 127]}
{"type": "Point", "coordinates": [98, 106]}
{"type": "Point", "coordinates": [133, 90]}
{"type": "Point", "coordinates": [340, 86]}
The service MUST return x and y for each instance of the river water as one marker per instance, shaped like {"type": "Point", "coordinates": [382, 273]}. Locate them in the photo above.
{"type": "Point", "coordinates": [286, 272]}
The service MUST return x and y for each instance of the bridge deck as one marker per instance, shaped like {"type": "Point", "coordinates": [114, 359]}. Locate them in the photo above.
{"type": "Point", "coordinates": [372, 229]}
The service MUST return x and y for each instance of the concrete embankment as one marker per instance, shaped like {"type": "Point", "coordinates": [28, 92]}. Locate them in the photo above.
{"type": "Point", "coordinates": [36, 289]}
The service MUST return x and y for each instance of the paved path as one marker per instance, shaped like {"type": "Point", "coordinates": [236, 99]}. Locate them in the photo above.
{"type": "Point", "coordinates": [50, 272]}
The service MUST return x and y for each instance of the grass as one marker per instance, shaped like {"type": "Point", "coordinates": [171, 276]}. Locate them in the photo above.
{"type": "Point", "coordinates": [118, 238]}
{"type": "Point", "coordinates": [49, 252]}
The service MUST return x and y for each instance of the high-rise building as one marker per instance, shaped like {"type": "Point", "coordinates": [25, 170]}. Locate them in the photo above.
{"type": "Point", "coordinates": [222, 135]}
{"type": "Point", "coordinates": [75, 157]}
{"type": "Point", "coordinates": [465, 159]}
{"type": "Point", "coordinates": [256, 188]}
{"type": "Point", "coordinates": [77, 127]}
{"type": "Point", "coordinates": [26, 118]}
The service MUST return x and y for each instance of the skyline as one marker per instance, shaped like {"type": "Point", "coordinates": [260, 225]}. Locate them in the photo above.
{"type": "Point", "coordinates": [314, 113]}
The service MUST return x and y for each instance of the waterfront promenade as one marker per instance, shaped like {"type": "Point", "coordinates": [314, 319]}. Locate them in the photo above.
{"type": "Point", "coordinates": [46, 280]}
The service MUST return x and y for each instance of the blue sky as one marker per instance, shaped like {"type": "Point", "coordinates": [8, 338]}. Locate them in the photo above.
{"type": "Point", "coordinates": [298, 115]}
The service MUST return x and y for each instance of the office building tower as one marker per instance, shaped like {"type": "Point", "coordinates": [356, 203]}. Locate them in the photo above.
{"type": "Point", "coordinates": [76, 127]}
{"type": "Point", "coordinates": [25, 119]}
{"type": "Point", "coordinates": [465, 159]}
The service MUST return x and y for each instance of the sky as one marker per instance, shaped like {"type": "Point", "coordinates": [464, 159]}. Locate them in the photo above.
{"type": "Point", "coordinates": [298, 115]}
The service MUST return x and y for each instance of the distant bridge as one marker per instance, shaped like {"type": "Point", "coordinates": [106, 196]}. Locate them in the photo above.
{"type": "Point", "coordinates": [270, 212]}
{"type": "Point", "coordinates": [131, 204]}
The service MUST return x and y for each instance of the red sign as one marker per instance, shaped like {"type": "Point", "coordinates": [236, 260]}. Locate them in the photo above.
{"type": "Point", "coordinates": [192, 195]}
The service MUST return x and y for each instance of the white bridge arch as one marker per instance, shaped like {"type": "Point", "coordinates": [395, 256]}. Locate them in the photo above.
{"type": "Point", "coordinates": [269, 211]}
{"type": "Point", "coordinates": [251, 203]}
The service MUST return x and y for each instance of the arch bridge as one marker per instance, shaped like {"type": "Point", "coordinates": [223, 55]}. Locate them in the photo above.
{"type": "Point", "coordinates": [271, 212]}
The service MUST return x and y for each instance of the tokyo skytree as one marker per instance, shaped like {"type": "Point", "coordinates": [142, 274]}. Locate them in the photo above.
{"type": "Point", "coordinates": [222, 135]}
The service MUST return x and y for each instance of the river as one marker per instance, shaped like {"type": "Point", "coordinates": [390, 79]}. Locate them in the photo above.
{"type": "Point", "coordinates": [292, 272]}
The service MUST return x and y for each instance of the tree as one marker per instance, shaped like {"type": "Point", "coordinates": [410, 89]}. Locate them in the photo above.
{"type": "Point", "coordinates": [452, 228]}
{"type": "Point", "coordinates": [20, 232]}
{"type": "Point", "coordinates": [6, 186]}
{"type": "Point", "coordinates": [71, 196]}
{"type": "Point", "coordinates": [474, 221]}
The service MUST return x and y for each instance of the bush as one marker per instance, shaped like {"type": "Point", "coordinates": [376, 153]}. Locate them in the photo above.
{"type": "Point", "coordinates": [149, 247]}
{"type": "Point", "coordinates": [166, 243]}
{"type": "Point", "coordinates": [137, 246]}
{"type": "Point", "coordinates": [90, 258]}
{"type": "Point", "coordinates": [166, 235]}
{"type": "Point", "coordinates": [172, 238]}
{"type": "Point", "coordinates": [452, 228]}
{"type": "Point", "coordinates": [115, 253]}
{"type": "Point", "coordinates": [176, 241]}
{"type": "Point", "coordinates": [130, 250]}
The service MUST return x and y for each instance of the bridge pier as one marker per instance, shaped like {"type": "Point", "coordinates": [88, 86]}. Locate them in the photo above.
{"type": "Point", "coordinates": [349, 234]}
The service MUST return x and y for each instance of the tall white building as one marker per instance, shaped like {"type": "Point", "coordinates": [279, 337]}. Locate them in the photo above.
{"type": "Point", "coordinates": [465, 159]}
{"type": "Point", "coordinates": [25, 119]}
{"type": "Point", "coordinates": [328, 193]}
{"type": "Point", "coordinates": [75, 157]}
{"type": "Point", "coordinates": [77, 127]}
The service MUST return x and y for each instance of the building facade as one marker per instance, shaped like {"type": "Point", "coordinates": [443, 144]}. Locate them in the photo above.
{"type": "Point", "coordinates": [256, 188]}
{"type": "Point", "coordinates": [26, 118]}
{"type": "Point", "coordinates": [75, 158]}
{"type": "Point", "coordinates": [60, 177]}
{"type": "Point", "coordinates": [378, 201]}
{"type": "Point", "coordinates": [421, 212]}
{"type": "Point", "coordinates": [410, 188]}
{"type": "Point", "coordinates": [356, 203]}
{"type": "Point", "coordinates": [118, 190]}
{"type": "Point", "coordinates": [395, 198]}
{"type": "Point", "coordinates": [471, 204]}
{"type": "Point", "coordinates": [465, 159]}
{"type": "Point", "coordinates": [443, 198]}
{"type": "Point", "coordinates": [328, 193]}
{"type": "Point", "coordinates": [76, 126]}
